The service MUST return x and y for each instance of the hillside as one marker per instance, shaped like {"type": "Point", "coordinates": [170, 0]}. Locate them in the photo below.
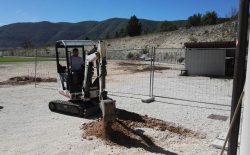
{"type": "Point", "coordinates": [42, 33]}
{"type": "Point", "coordinates": [176, 39]}
{"type": "Point", "coordinates": [46, 33]}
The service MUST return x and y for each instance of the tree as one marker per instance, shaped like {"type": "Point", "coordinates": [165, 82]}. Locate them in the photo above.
{"type": "Point", "coordinates": [194, 20]}
{"type": "Point", "coordinates": [146, 30]}
{"type": "Point", "coordinates": [210, 18]}
{"type": "Point", "coordinates": [107, 36]}
{"type": "Point", "coordinates": [86, 38]}
{"type": "Point", "coordinates": [122, 32]}
{"type": "Point", "coordinates": [27, 44]}
{"type": "Point", "coordinates": [117, 35]}
{"type": "Point", "coordinates": [134, 27]}
{"type": "Point", "coordinates": [168, 26]}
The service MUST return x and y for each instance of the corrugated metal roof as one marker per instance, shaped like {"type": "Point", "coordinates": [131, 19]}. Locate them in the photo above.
{"type": "Point", "coordinates": [227, 44]}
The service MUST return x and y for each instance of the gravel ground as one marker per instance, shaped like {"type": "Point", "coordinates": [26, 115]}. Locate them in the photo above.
{"type": "Point", "coordinates": [28, 127]}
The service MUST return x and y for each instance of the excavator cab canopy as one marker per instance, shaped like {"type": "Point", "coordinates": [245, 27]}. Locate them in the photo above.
{"type": "Point", "coordinates": [74, 43]}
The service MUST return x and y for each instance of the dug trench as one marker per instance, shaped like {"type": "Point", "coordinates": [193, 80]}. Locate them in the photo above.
{"type": "Point", "coordinates": [126, 130]}
{"type": "Point", "coordinates": [137, 67]}
{"type": "Point", "coordinates": [22, 80]}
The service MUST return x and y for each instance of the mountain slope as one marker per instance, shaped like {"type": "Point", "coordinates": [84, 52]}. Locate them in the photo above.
{"type": "Point", "coordinates": [176, 39]}
{"type": "Point", "coordinates": [42, 33]}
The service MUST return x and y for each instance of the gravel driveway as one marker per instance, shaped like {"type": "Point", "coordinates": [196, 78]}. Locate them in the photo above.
{"type": "Point", "coordinates": [28, 127]}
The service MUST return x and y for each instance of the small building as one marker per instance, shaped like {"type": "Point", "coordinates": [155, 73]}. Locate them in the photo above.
{"type": "Point", "coordinates": [213, 59]}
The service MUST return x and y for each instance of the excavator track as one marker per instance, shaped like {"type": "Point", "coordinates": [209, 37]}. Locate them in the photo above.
{"type": "Point", "coordinates": [76, 108]}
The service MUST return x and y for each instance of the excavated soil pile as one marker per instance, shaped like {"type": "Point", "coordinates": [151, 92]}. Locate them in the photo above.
{"type": "Point", "coordinates": [22, 80]}
{"type": "Point", "coordinates": [139, 67]}
{"type": "Point", "coordinates": [123, 130]}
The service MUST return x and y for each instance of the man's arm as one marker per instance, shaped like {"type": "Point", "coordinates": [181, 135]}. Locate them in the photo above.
{"type": "Point", "coordinates": [82, 63]}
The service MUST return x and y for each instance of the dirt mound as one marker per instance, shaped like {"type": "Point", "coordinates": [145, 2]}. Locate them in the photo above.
{"type": "Point", "coordinates": [22, 80]}
{"type": "Point", "coordinates": [135, 67]}
{"type": "Point", "coordinates": [123, 130]}
{"type": "Point", "coordinates": [131, 64]}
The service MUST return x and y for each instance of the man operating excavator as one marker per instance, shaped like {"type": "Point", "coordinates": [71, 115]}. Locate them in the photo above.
{"type": "Point", "coordinates": [77, 67]}
{"type": "Point", "coordinates": [89, 96]}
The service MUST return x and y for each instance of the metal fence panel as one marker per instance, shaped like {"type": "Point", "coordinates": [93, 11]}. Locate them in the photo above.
{"type": "Point", "coordinates": [129, 71]}
{"type": "Point", "coordinates": [171, 84]}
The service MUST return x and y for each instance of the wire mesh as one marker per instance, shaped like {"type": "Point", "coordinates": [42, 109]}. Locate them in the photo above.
{"type": "Point", "coordinates": [129, 71]}
{"type": "Point", "coordinates": [170, 84]}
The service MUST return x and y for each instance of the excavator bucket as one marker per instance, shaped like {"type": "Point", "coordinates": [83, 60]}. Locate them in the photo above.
{"type": "Point", "coordinates": [108, 115]}
{"type": "Point", "coordinates": [108, 110]}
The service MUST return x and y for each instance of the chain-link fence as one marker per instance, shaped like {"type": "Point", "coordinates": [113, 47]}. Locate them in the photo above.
{"type": "Point", "coordinates": [150, 71]}
{"type": "Point", "coordinates": [172, 83]}
{"type": "Point", "coordinates": [129, 71]}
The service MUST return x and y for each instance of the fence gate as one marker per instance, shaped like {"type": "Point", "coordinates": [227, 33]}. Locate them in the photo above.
{"type": "Point", "coordinates": [169, 83]}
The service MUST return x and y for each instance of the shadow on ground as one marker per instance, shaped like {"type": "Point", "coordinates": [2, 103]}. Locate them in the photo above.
{"type": "Point", "coordinates": [136, 139]}
{"type": "Point", "coordinates": [127, 131]}
{"type": "Point", "coordinates": [91, 117]}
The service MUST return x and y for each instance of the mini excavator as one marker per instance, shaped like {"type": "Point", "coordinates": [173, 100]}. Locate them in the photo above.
{"type": "Point", "coordinates": [87, 97]}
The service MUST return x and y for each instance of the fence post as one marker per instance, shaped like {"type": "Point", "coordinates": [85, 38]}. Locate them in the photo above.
{"type": "Point", "coordinates": [151, 67]}
{"type": "Point", "coordinates": [151, 83]}
{"type": "Point", "coordinates": [153, 72]}
{"type": "Point", "coordinates": [239, 74]}
{"type": "Point", "coordinates": [35, 65]}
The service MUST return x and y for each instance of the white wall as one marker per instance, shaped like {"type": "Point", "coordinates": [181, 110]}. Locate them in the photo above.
{"type": "Point", "coordinates": [245, 133]}
{"type": "Point", "coordinates": [205, 62]}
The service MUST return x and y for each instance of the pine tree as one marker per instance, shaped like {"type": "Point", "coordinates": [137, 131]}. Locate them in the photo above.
{"type": "Point", "coordinates": [194, 20]}
{"type": "Point", "coordinates": [210, 18]}
{"type": "Point", "coordinates": [134, 27]}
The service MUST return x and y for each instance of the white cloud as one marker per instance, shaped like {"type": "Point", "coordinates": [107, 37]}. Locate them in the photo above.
{"type": "Point", "coordinates": [26, 17]}
{"type": "Point", "coordinates": [21, 13]}
{"type": "Point", "coordinates": [2, 24]}
{"type": "Point", "coordinates": [34, 19]}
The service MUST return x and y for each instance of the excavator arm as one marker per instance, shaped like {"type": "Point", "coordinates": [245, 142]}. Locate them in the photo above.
{"type": "Point", "coordinates": [106, 104]}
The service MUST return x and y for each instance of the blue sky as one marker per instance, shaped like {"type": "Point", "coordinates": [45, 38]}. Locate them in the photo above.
{"type": "Point", "coordinates": [13, 11]}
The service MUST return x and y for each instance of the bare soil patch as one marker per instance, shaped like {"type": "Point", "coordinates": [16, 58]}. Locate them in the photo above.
{"type": "Point", "coordinates": [136, 67]}
{"type": "Point", "coordinates": [124, 131]}
{"type": "Point", "coordinates": [22, 80]}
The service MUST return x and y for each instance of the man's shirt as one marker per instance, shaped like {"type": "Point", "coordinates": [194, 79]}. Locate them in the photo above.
{"type": "Point", "coordinates": [76, 63]}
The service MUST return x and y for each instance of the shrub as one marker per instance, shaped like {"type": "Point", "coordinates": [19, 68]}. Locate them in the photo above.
{"type": "Point", "coordinates": [168, 26]}
{"type": "Point", "coordinates": [144, 51]}
{"type": "Point", "coordinates": [130, 55]}
{"type": "Point", "coordinates": [117, 35]}
{"type": "Point", "coordinates": [192, 39]}
{"type": "Point", "coordinates": [194, 20]}
{"type": "Point", "coordinates": [181, 59]}
{"type": "Point", "coordinates": [209, 18]}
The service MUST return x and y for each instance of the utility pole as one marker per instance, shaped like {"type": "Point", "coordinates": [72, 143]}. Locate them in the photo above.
{"type": "Point", "coordinates": [239, 74]}
{"type": "Point", "coordinates": [245, 132]}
